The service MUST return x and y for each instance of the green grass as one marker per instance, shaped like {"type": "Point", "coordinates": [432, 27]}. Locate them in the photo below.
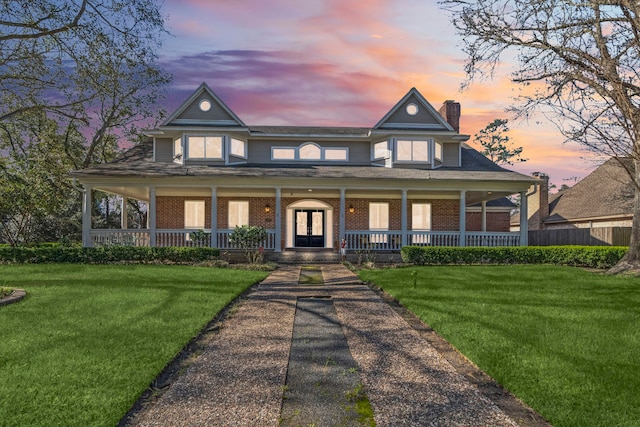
{"type": "Point", "coordinates": [88, 339]}
{"type": "Point", "coordinates": [566, 341]}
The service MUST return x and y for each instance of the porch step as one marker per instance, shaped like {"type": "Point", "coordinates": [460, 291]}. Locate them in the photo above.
{"type": "Point", "coordinates": [305, 257]}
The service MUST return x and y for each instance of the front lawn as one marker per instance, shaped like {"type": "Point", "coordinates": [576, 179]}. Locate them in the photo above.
{"type": "Point", "coordinates": [89, 339]}
{"type": "Point", "coordinates": [566, 341]}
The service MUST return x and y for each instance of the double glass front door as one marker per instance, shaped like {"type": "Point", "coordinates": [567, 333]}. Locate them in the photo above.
{"type": "Point", "coordinates": [309, 228]}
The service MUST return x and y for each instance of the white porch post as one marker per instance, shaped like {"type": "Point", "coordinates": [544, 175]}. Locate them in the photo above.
{"type": "Point", "coordinates": [214, 217]}
{"type": "Point", "coordinates": [152, 216]}
{"type": "Point", "coordinates": [484, 215]}
{"type": "Point", "coordinates": [124, 223]}
{"type": "Point", "coordinates": [87, 241]}
{"type": "Point", "coordinates": [278, 224]}
{"type": "Point", "coordinates": [524, 221]}
{"type": "Point", "coordinates": [403, 219]}
{"type": "Point", "coordinates": [463, 218]}
{"type": "Point", "coordinates": [342, 227]}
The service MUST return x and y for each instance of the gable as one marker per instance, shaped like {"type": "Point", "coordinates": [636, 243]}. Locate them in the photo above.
{"type": "Point", "coordinates": [413, 111]}
{"type": "Point", "coordinates": [204, 108]}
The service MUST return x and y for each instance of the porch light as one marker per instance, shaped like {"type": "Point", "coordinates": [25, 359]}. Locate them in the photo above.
{"type": "Point", "coordinates": [267, 208]}
{"type": "Point", "coordinates": [351, 209]}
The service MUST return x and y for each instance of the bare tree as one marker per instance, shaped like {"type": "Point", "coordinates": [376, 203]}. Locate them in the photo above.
{"type": "Point", "coordinates": [577, 62]}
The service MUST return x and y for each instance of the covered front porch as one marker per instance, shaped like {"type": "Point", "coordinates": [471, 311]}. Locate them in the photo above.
{"type": "Point", "coordinates": [303, 217]}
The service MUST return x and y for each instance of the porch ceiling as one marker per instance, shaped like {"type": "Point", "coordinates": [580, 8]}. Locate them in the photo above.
{"type": "Point", "coordinates": [141, 192]}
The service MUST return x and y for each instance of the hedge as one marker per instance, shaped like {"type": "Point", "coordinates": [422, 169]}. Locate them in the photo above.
{"type": "Point", "coordinates": [578, 256]}
{"type": "Point", "coordinates": [103, 255]}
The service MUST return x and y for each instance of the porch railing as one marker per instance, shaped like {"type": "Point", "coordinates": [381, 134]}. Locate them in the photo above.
{"type": "Point", "coordinates": [113, 237]}
{"type": "Point", "coordinates": [357, 240]}
{"type": "Point", "coordinates": [360, 240]}
{"type": "Point", "coordinates": [223, 240]}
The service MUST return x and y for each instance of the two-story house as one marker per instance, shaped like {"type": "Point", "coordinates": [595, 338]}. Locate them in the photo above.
{"type": "Point", "coordinates": [409, 179]}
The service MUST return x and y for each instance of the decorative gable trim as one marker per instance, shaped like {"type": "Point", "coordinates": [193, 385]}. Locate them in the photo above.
{"type": "Point", "coordinates": [204, 91]}
{"type": "Point", "coordinates": [413, 102]}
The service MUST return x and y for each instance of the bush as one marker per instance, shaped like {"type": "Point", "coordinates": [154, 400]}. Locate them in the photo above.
{"type": "Point", "coordinates": [104, 254]}
{"type": "Point", "coordinates": [578, 256]}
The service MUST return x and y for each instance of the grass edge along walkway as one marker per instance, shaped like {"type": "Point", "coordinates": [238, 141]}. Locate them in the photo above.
{"type": "Point", "coordinates": [563, 340]}
{"type": "Point", "coordinates": [88, 339]}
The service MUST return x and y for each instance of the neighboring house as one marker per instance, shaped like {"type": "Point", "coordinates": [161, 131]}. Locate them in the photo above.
{"type": "Point", "coordinates": [410, 179]}
{"type": "Point", "coordinates": [604, 198]}
{"type": "Point", "coordinates": [598, 210]}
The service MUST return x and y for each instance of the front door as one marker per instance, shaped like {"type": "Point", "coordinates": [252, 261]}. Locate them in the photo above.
{"type": "Point", "coordinates": [309, 228]}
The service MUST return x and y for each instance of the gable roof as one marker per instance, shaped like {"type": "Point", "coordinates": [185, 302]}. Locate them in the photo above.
{"type": "Point", "coordinates": [189, 112]}
{"type": "Point", "coordinates": [426, 117]}
{"type": "Point", "coordinates": [606, 192]}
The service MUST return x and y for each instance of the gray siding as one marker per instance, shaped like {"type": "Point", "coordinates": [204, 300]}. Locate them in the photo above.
{"type": "Point", "coordinates": [164, 150]}
{"type": "Point", "coordinates": [450, 154]}
{"type": "Point", "coordinates": [422, 117]}
{"type": "Point", "coordinates": [216, 113]}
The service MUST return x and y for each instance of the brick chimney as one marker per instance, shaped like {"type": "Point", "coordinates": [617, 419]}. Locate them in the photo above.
{"type": "Point", "coordinates": [538, 203]}
{"type": "Point", "coordinates": [450, 110]}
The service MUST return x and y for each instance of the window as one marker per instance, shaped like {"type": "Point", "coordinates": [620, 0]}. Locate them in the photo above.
{"type": "Point", "coordinates": [238, 213]}
{"type": "Point", "coordinates": [335, 154]}
{"type": "Point", "coordinates": [238, 148]}
{"type": "Point", "coordinates": [412, 151]}
{"type": "Point", "coordinates": [177, 150]}
{"type": "Point", "coordinates": [380, 150]}
{"type": "Point", "coordinates": [204, 147]}
{"type": "Point", "coordinates": [310, 151]}
{"type": "Point", "coordinates": [283, 153]}
{"type": "Point", "coordinates": [412, 109]}
{"type": "Point", "coordinates": [438, 151]}
{"type": "Point", "coordinates": [194, 214]}
{"type": "Point", "coordinates": [420, 221]}
{"type": "Point", "coordinates": [378, 221]}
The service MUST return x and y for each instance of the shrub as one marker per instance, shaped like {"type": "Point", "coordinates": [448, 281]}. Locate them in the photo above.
{"type": "Point", "coordinates": [250, 240]}
{"type": "Point", "coordinates": [578, 256]}
{"type": "Point", "coordinates": [103, 254]}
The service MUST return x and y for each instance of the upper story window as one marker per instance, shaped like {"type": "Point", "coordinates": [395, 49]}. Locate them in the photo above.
{"type": "Point", "coordinates": [208, 147]}
{"type": "Point", "coordinates": [381, 150]}
{"type": "Point", "coordinates": [204, 147]}
{"type": "Point", "coordinates": [412, 150]}
{"type": "Point", "coordinates": [238, 148]}
{"type": "Point", "coordinates": [310, 151]}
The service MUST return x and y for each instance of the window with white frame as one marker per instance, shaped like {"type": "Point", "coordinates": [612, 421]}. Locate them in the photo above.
{"type": "Point", "coordinates": [412, 150]}
{"type": "Point", "coordinates": [380, 150]}
{"type": "Point", "coordinates": [378, 221]}
{"type": "Point", "coordinates": [204, 147]}
{"type": "Point", "coordinates": [438, 151]}
{"type": "Point", "coordinates": [194, 214]}
{"type": "Point", "coordinates": [238, 148]}
{"type": "Point", "coordinates": [177, 150]}
{"type": "Point", "coordinates": [310, 151]}
{"type": "Point", "coordinates": [238, 213]}
{"type": "Point", "coordinates": [420, 221]}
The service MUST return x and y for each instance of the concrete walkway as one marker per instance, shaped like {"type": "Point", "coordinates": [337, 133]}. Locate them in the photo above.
{"type": "Point", "coordinates": [239, 378]}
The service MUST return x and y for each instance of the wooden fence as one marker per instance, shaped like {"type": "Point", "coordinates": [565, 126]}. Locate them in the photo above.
{"type": "Point", "coordinates": [600, 236]}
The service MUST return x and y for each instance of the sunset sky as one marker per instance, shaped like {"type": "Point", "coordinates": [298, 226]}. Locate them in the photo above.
{"type": "Point", "coordinates": [343, 63]}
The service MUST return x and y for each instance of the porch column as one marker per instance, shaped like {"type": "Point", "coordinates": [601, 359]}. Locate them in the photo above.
{"type": "Point", "coordinates": [214, 217]}
{"type": "Point", "coordinates": [463, 218]}
{"type": "Point", "coordinates": [152, 216]}
{"type": "Point", "coordinates": [278, 224]}
{"type": "Point", "coordinates": [403, 218]}
{"type": "Point", "coordinates": [124, 224]}
{"type": "Point", "coordinates": [524, 221]}
{"type": "Point", "coordinates": [342, 227]}
{"type": "Point", "coordinates": [87, 241]}
{"type": "Point", "coordinates": [484, 216]}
